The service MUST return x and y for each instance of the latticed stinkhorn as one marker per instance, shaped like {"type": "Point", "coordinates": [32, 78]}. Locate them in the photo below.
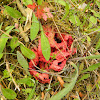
{"type": "Point", "coordinates": [60, 51]}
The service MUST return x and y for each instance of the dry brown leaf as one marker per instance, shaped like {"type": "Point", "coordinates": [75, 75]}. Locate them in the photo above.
{"type": "Point", "coordinates": [80, 94]}
{"type": "Point", "coordinates": [42, 95]}
{"type": "Point", "coordinates": [23, 34]}
{"type": "Point", "coordinates": [60, 80]}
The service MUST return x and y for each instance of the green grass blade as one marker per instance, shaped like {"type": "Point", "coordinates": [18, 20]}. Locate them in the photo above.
{"type": "Point", "coordinates": [87, 57]}
{"type": "Point", "coordinates": [68, 87]}
{"type": "Point", "coordinates": [92, 67]}
{"type": "Point", "coordinates": [93, 57]}
{"type": "Point", "coordinates": [62, 2]}
{"type": "Point", "coordinates": [32, 93]}
{"type": "Point", "coordinates": [83, 77]}
{"type": "Point", "coordinates": [40, 2]}
{"type": "Point", "coordinates": [66, 11]}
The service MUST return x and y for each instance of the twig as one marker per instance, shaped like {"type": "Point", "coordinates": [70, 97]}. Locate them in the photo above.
{"type": "Point", "coordinates": [44, 71]}
{"type": "Point", "coordinates": [21, 8]}
{"type": "Point", "coordinates": [25, 36]}
{"type": "Point", "coordinates": [10, 2]}
{"type": "Point", "coordinates": [92, 88]}
{"type": "Point", "coordinates": [10, 36]}
{"type": "Point", "coordinates": [7, 66]}
{"type": "Point", "coordinates": [62, 39]}
{"type": "Point", "coordinates": [86, 35]}
{"type": "Point", "coordinates": [93, 42]}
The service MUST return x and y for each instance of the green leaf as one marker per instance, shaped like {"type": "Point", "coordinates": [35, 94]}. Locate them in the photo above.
{"type": "Point", "coordinates": [45, 46]}
{"type": "Point", "coordinates": [34, 27]}
{"type": "Point", "coordinates": [92, 67]}
{"type": "Point", "coordinates": [37, 98]}
{"type": "Point", "coordinates": [98, 3]}
{"type": "Point", "coordinates": [22, 19]}
{"type": "Point", "coordinates": [81, 66]}
{"type": "Point", "coordinates": [8, 93]}
{"type": "Point", "coordinates": [75, 20]}
{"type": "Point", "coordinates": [8, 27]}
{"type": "Point", "coordinates": [62, 2]}
{"type": "Point", "coordinates": [27, 90]}
{"type": "Point", "coordinates": [22, 61]}
{"type": "Point", "coordinates": [3, 39]}
{"type": "Point", "coordinates": [1, 55]}
{"type": "Point", "coordinates": [97, 29]}
{"type": "Point", "coordinates": [66, 11]}
{"type": "Point", "coordinates": [89, 87]}
{"type": "Point", "coordinates": [27, 2]}
{"type": "Point", "coordinates": [6, 74]}
{"type": "Point", "coordinates": [88, 38]}
{"type": "Point", "coordinates": [93, 19]}
{"type": "Point", "coordinates": [32, 93]}
{"type": "Point", "coordinates": [68, 87]}
{"type": "Point", "coordinates": [12, 12]}
{"type": "Point", "coordinates": [84, 77]}
{"type": "Point", "coordinates": [27, 52]}
{"type": "Point", "coordinates": [98, 44]}
{"type": "Point", "coordinates": [26, 81]}
{"type": "Point", "coordinates": [90, 57]}
{"type": "Point", "coordinates": [40, 2]}
{"type": "Point", "coordinates": [76, 99]}
{"type": "Point", "coordinates": [1, 25]}
{"type": "Point", "coordinates": [14, 43]}
{"type": "Point", "coordinates": [93, 57]}
{"type": "Point", "coordinates": [95, 14]}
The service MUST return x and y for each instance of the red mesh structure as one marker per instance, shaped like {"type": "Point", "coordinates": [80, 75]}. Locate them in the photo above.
{"type": "Point", "coordinates": [60, 52]}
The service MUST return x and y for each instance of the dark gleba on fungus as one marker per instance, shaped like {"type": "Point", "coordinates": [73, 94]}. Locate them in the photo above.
{"type": "Point", "coordinates": [60, 52]}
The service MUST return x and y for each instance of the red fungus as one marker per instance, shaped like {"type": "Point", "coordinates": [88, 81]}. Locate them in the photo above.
{"type": "Point", "coordinates": [57, 65]}
{"type": "Point", "coordinates": [60, 52]}
{"type": "Point", "coordinates": [40, 12]}
{"type": "Point", "coordinates": [43, 78]}
{"type": "Point", "coordinates": [32, 6]}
